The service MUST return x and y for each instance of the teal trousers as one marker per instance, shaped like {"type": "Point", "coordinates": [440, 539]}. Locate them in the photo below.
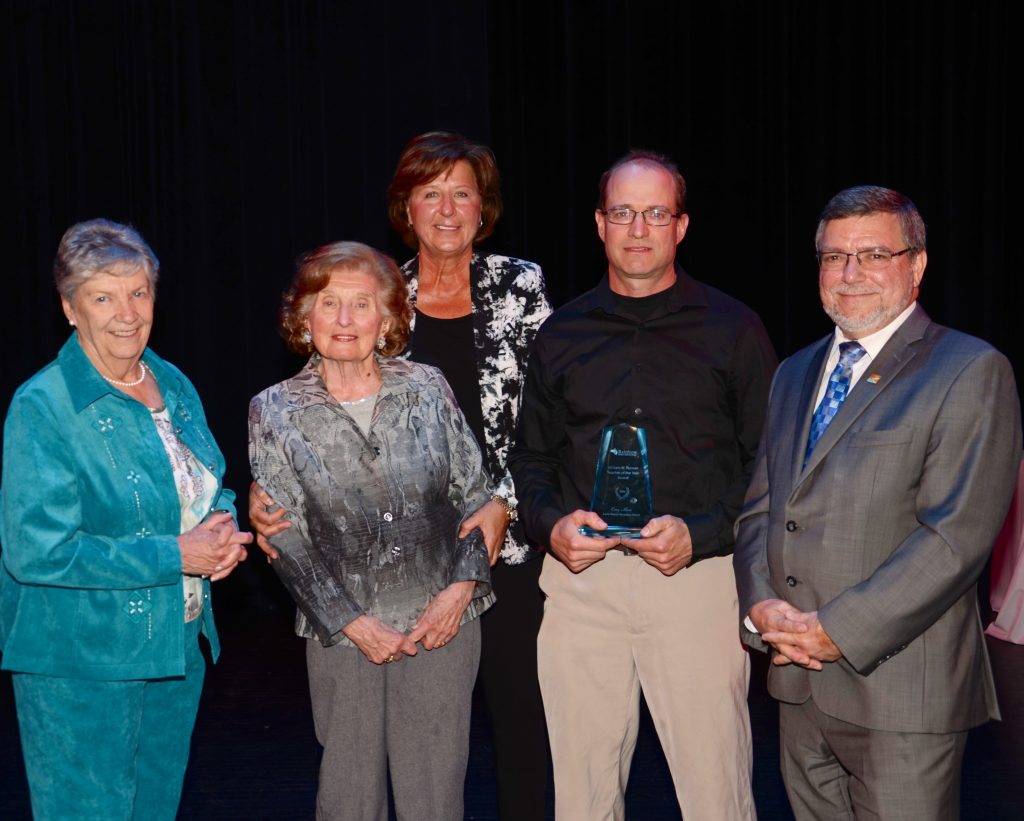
{"type": "Point", "coordinates": [108, 750]}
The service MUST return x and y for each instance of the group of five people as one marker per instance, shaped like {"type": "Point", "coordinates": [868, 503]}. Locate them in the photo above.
{"type": "Point", "coordinates": [423, 487]}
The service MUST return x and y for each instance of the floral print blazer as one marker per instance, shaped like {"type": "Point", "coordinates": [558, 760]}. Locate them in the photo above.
{"type": "Point", "coordinates": [510, 303]}
{"type": "Point", "coordinates": [375, 516]}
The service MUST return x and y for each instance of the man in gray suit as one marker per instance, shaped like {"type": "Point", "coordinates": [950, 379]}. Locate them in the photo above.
{"type": "Point", "coordinates": [886, 467]}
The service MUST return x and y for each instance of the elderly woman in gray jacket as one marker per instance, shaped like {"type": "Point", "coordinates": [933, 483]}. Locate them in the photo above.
{"type": "Point", "coordinates": [373, 460]}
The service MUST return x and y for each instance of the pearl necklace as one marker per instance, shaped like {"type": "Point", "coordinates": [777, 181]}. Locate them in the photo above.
{"type": "Point", "coordinates": [132, 384]}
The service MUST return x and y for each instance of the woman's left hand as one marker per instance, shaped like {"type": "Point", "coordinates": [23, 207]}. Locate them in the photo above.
{"type": "Point", "coordinates": [229, 531]}
{"type": "Point", "coordinates": [214, 547]}
{"type": "Point", "coordinates": [439, 622]}
{"type": "Point", "coordinates": [493, 521]}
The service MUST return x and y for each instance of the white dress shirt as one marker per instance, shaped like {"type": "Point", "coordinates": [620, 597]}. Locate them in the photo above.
{"type": "Point", "coordinates": [872, 344]}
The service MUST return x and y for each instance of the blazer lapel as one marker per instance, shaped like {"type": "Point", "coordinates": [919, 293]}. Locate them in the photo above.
{"type": "Point", "coordinates": [892, 359]}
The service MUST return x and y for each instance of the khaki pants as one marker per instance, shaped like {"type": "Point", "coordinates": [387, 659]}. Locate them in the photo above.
{"type": "Point", "coordinates": [621, 626]}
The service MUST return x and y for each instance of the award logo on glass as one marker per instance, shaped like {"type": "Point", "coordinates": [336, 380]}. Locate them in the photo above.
{"type": "Point", "coordinates": [622, 484]}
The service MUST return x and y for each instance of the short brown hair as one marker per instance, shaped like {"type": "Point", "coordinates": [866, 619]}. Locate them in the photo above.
{"type": "Point", "coordinates": [432, 154]}
{"type": "Point", "coordinates": [642, 157]}
{"type": "Point", "coordinates": [313, 274]}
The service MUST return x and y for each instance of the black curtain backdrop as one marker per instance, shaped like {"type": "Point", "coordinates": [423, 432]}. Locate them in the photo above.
{"type": "Point", "coordinates": [235, 135]}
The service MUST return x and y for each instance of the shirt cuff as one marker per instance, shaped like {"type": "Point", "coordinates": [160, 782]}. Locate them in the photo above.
{"type": "Point", "coordinates": [750, 625]}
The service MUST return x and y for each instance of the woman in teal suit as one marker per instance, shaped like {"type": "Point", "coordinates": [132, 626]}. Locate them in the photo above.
{"type": "Point", "coordinates": [115, 521]}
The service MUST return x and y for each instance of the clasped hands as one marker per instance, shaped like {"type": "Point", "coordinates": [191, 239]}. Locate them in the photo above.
{"type": "Point", "coordinates": [797, 636]}
{"type": "Point", "coordinates": [665, 542]}
{"type": "Point", "coordinates": [437, 625]}
{"type": "Point", "coordinates": [214, 547]}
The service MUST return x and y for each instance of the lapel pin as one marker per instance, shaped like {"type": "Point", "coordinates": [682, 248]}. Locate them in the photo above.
{"type": "Point", "coordinates": [873, 379]}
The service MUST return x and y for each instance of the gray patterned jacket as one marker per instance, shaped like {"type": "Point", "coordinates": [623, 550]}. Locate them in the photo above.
{"type": "Point", "coordinates": [374, 518]}
{"type": "Point", "coordinates": [509, 305]}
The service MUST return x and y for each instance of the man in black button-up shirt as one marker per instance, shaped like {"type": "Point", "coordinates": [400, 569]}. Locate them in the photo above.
{"type": "Point", "coordinates": [652, 347]}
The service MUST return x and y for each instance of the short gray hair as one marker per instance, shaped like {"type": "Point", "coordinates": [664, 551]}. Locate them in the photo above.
{"type": "Point", "coordinates": [862, 200]}
{"type": "Point", "coordinates": [100, 246]}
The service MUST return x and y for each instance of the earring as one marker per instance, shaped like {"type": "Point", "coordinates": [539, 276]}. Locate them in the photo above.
{"type": "Point", "coordinates": [381, 342]}
{"type": "Point", "coordinates": [71, 322]}
{"type": "Point", "coordinates": [481, 225]}
{"type": "Point", "coordinates": [307, 337]}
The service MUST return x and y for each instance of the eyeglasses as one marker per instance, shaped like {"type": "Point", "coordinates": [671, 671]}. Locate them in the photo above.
{"type": "Point", "coordinates": [652, 216]}
{"type": "Point", "coordinates": [871, 259]}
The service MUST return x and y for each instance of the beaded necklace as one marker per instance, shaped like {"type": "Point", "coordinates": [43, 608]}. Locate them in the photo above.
{"type": "Point", "coordinates": [144, 370]}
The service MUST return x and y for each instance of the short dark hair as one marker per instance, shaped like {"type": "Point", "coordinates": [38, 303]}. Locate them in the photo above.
{"type": "Point", "coordinates": [642, 157]}
{"type": "Point", "coordinates": [101, 246]}
{"type": "Point", "coordinates": [432, 154]}
{"type": "Point", "coordinates": [313, 274]}
{"type": "Point", "coordinates": [862, 200]}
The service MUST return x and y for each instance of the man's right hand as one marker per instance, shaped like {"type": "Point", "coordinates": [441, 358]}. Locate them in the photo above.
{"type": "Point", "coordinates": [774, 619]}
{"type": "Point", "coordinates": [771, 615]}
{"type": "Point", "coordinates": [265, 524]}
{"type": "Point", "coordinates": [572, 548]}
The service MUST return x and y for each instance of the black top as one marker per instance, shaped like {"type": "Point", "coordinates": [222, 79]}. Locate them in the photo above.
{"type": "Point", "coordinates": [692, 366]}
{"type": "Point", "coordinates": [641, 307]}
{"type": "Point", "coordinates": [448, 344]}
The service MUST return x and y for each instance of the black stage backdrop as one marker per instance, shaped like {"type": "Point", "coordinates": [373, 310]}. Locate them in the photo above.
{"type": "Point", "coordinates": [235, 135]}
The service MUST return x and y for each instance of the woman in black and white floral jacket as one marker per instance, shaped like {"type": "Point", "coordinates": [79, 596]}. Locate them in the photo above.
{"type": "Point", "coordinates": [509, 303]}
{"type": "Point", "coordinates": [475, 318]}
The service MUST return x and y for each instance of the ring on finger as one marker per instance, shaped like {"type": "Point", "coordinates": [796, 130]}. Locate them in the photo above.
{"type": "Point", "coordinates": [389, 659]}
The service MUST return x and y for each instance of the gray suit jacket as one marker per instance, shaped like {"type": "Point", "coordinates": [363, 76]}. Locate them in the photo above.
{"type": "Point", "coordinates": [887, 529]}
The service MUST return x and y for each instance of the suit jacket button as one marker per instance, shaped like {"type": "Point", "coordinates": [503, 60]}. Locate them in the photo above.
{"type": "Point", "coordinates": [791, 581]}
{"type": "Point", "coordinates": [790, 525]}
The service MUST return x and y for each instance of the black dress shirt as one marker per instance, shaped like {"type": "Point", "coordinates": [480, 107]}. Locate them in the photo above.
{"type": "Point", "coordinates": [694, 372]}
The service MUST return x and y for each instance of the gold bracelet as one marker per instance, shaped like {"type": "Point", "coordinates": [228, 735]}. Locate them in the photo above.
{"type": "Point", "coordinates": [510, 510]}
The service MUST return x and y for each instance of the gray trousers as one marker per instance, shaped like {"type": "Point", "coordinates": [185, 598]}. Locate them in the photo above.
{"type": "Point", "coordinates": [411, 717]}
{"type": "Point", "coordinates": [836, 770]}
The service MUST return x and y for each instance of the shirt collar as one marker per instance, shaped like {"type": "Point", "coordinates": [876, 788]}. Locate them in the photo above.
{"type": "Point", "coordinates": [684, 292]}
{"type": "Point", "coordinates": [307, 387]}
{"type": "Point", "coordinates": [86, 385]}
{"type": "Point", "coordinates": [873, 343]}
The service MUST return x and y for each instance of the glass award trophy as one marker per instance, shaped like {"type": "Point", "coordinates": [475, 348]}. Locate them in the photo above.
{"type": "Point", "coordinates": [622, 484]}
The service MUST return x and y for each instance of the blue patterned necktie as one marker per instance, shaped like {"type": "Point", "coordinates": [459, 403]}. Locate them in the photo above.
{"type": "Point", "coordinates": [835, 393]}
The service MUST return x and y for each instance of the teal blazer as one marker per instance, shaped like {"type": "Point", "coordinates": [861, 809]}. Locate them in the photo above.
{"type": "Point", "coordinates": [90, 585]}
